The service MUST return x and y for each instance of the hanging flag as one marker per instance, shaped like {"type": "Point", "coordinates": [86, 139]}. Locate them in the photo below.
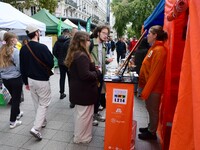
{"type": "Point", "coordinates": [59, 27]}
{"type": "Point", "coordinates": [88, 24]}
{"type": "Point", "coordinates": [79, 26]}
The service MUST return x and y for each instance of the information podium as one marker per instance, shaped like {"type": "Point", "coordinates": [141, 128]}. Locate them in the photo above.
{"type": "Point", "coordinates": [119, 115]}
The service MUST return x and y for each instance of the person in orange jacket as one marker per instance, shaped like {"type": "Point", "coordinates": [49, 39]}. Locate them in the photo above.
{"type": "Point", "coordinates": [151, 79]}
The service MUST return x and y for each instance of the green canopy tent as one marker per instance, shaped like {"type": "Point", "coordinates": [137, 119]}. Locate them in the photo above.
{"type": "Point", "coordinates": [52, 23]}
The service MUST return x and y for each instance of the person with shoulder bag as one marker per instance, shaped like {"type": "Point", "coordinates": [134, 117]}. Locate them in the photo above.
{"type": "Point", "coordinates": [36, 61]}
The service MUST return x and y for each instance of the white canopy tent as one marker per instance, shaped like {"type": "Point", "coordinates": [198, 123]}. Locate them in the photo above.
{"type": "Point", "coordinates": [16, 21]}
{"type": "Point", "coordinates": [67, 21]}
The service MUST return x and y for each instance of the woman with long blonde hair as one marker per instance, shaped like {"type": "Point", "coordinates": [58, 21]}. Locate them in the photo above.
{"type": "Point", "coordinates": [11, 76]}
{"type": "Point", "coordinates": [83, 80]}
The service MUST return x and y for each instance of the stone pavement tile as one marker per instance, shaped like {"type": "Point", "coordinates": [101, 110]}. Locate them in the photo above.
{"type": "Point", "coordinates": [55, 145]}
{"type": "Point", "coordinates": [52, 110]}
{"type": "Point", "coordinates": [61, 117]}
{"type": "Point", "coordinates": [48, 133]}
{"type": "Point", "coordinates": [143, 145]}
{"type": "Point", "coordinates": [56, 125]}
{"type": "Point", "coordinates": [100, 132]}
{"type": "Point", "coordinates": [4, 110]}
{"type": "Point", "coordinates": [26, 120]}
{"type": "Point", "coordinates": [50, 115]}
{"type": "Point", "coordinates": [25, 130]}
{"type": "Point", "coordinates": [94, 128]}
{"type": "Point", "coordinates": [4, 117]}
{"type": "Point", "coordinates": [71, 119]}
{"type": "Point", "coordinates": [15, 140]}
{"type": "Point", "coordinates": [63, 136]}
{"type": "Point", "coordinates": [15, 130]}
{"type": "Point", "coordinates": [4, 147]}
{"type": "Point", "coordinates": [72, 146]}
{"type": "Point", "coordinates": [26, 107]}
{"type": "Point", "coordinates": [95, 148]}
{"type": "Point", "coordinates": [4, 125]}
{"type": "Point", "coordinates": [29, 113]}
{"type": "Point", "coordinates": [148, 145]}
{"type": "Point", "coordinates": [34, 144]}
{"type": "Point", "coordinates": [67, 127]}
{"type": "Point", "coordinates": [67, 111]}
{"type": "Point", "coordinates": [97, 141]}
{"type": "Point", "coordinates": [3, 137]}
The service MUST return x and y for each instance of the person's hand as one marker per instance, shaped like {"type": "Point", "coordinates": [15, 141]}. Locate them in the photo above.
{"type": "Point", "coordinates": [97, 67]}
{"type": "Point", "coordinates": [110, 60]}
{"type": "Point", "coordinates": [27, 87]}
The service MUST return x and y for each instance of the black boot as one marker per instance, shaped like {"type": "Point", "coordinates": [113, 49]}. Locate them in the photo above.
{"type": "Point", "coordinates": [147, 136]}
{"type": "Point", "coordinates": [62, 95]}
{"type": "Point", "coordinates": [72, 105]}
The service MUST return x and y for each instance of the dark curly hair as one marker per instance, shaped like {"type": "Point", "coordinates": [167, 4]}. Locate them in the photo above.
{"type": "Point", "coordinates": [99, 29]}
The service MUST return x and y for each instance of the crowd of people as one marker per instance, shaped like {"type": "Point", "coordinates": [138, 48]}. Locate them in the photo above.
{"type": "Point", "coordinates": [83, 58]}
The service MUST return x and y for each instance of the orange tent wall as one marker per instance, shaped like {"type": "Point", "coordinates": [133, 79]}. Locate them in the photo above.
{"type": "Point", "coordinates": [186, 124]}
{"type": "Point", "coordinates": [175, 45]}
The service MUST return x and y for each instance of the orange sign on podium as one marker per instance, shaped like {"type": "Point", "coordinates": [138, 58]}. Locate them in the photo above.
{"type": "Point", "coordinates": [119, 116]}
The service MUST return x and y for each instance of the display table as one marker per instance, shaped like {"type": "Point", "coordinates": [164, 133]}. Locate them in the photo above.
{"type": "Point", "coordinates": [119, 114]}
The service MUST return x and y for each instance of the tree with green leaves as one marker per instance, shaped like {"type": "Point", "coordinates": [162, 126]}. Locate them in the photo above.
{"type": "Point", "coordinates": [133, 12]}
{"type": "Point", "coordinates": [47, 4]}
{"type": "Point", "coordinates": [26, 4]}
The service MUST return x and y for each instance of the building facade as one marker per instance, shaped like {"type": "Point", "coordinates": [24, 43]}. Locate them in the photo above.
{"type": "Point", "coordinates": [83, 9]}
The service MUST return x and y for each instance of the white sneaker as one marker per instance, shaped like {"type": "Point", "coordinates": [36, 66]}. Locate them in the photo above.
{"type": "Point", "coordinates": [36, 134]}
{"type": "Point", "coordinates": [15, 124]}
{"type": "Point", "coordinates": [95, 122]}
{"type": "Point", "coordinates": [98, 117]}
{"type": "Point", "coordinates": [20, 115]}
{"type": "Point", "coordinates": [100, 108]}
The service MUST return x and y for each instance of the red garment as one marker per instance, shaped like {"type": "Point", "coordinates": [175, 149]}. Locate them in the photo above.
{"type": "Point", "coordinates": [132, 44]}
{"type": "Point", "coordinates": [152, 73]}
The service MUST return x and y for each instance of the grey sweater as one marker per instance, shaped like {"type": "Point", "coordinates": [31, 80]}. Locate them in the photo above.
{"type": "Point", "coordinates": [12, 71]}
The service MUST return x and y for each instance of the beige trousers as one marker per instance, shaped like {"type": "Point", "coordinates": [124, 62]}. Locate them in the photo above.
{"type": "Point", "coordinates": [83, 117]}
{"type": "Point", "coordinates": [41, 96]}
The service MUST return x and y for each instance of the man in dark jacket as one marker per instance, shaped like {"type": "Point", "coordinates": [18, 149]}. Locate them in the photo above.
{"type": "Point", "coordinates": [35, 76]}
{"type": "Point", "coordinates": [60, 53]}
{"type": "Point", "coordinates": [121, 49]}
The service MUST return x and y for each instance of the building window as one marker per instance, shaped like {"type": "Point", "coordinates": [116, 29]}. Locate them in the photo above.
{"type": "Point", "coordinates": [33, 10]}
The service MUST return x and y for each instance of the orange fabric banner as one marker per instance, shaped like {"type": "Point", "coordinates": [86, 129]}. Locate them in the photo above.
{"type": "Point", "coordinates": [186, 125]}
{"type": "Point", "coordinates": [119, 116]}
{"type": "Point", "coordinates": [176, 42]}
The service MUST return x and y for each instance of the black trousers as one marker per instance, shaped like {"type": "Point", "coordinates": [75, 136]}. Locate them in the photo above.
{"type": "Point", "coordinates": [63, 70]}
{"type": "Point", "coordinates": [97, 104]}
{"type": "Point", "coordinates": [14, 86]}
{"type": "Point", "coordinates": [120, 55]}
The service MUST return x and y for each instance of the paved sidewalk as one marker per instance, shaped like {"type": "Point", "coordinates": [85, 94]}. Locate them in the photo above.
{"type": "Point", "coordinates": [58, 133]}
